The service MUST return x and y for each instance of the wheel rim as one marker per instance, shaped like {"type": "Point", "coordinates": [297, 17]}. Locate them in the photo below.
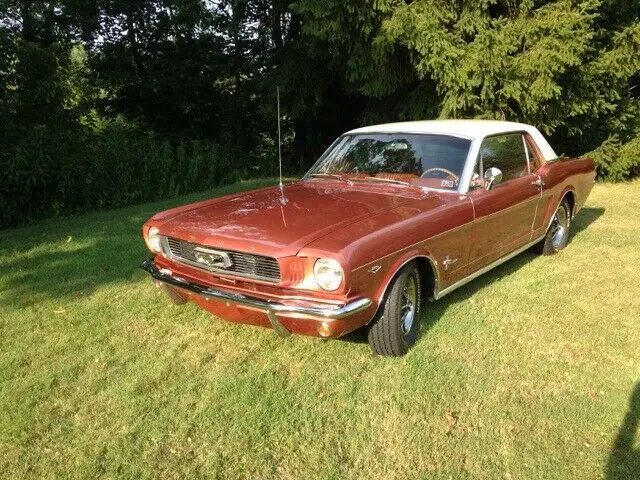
{"type": "Point", "coordinates": [408, 308]}
{"type": "Point", "coordinates": [559, 227]}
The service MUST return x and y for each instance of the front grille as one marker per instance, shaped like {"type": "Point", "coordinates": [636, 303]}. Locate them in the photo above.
{"type": "Point", "coordinates": [243, 264]}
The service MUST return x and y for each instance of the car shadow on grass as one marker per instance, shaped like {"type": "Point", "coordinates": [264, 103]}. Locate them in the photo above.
{"type": "Point", "coordinates": [583, 219]}
{"type": "Point", "coordinates": [432, 312]}
{"type": "Point", "coordinates": [624, 459]}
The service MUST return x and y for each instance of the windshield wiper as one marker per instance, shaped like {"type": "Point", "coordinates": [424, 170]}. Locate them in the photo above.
{"type": "Point", "coordinates": [389, 180]}
{"type": "Point", "coordinates": [386, 180]}
{"type": "Point", "coordinates": [329, 175]}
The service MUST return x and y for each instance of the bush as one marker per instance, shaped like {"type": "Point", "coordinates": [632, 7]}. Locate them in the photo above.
{"type": "Point", "coordinates": [47, 173]}
{"type": "Point", "coordinates": [617, 161]}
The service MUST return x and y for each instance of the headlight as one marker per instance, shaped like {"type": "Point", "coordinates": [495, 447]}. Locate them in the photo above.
{"type": "Point", "coordinates": [328, 273]}
{"type": "Point", "coordinates": [153, 240]}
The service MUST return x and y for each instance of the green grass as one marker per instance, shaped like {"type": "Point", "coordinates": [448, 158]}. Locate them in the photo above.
{"type": "Point", "coordinates": [527, 372]}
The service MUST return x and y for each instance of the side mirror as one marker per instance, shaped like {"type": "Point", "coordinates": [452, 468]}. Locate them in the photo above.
{"type": "Point", "coordinates": [492, 176]}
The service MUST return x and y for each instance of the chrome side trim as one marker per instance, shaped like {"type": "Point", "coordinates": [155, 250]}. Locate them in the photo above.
{"type": "Point", "coordinates": [469, 224]}
{"type": "Point", "coordinates": [500, 261]}
{"type": "Point", "coordinates": [507, 209]}
{"type": "Point", "coordinates": [492, 265]}
{"type": "Point", "coordinates": [270, 307]}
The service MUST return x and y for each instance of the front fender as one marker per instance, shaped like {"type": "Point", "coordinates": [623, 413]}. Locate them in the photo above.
{"type": "Point", "coordinates": [396, 265]}
{"type": "Point", "coordinates": [376, 277]}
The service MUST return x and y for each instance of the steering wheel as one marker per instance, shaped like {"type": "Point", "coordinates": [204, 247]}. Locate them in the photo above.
{"type": "Point", "coordinates": [443, 170]}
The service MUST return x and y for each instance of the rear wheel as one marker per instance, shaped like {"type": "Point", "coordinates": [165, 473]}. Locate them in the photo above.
{"type": "Point", "coordinates": [558, 234]}
{"type": "Point", "coordinates": [396, 329]}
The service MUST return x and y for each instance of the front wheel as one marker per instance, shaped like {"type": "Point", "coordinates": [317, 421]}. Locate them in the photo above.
{"type": "Point", "coordinates": [396, 329]}
{"type": "Point", "coordinates": [558, 234]}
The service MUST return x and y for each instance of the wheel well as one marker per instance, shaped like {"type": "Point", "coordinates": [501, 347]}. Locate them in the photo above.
{"type": "Point", "coordinates": [571, 198]}
{"type": "Point", "coordinates": [428, 277]}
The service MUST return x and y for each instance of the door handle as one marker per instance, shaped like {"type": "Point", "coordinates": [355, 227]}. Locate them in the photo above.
{"type": "Point", "coordinates": [538, 182]}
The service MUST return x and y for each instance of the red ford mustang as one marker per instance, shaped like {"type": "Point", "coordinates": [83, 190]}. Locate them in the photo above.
{"type": "Point", "coordinates": [389, 216]}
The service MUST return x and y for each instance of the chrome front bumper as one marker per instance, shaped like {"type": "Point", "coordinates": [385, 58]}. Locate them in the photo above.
{"type": "Point", "coordinates": [268, 306]}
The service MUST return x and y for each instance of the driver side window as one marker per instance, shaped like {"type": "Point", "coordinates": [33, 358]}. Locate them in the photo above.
{"type": "Point", "coordinates": [505, 152]}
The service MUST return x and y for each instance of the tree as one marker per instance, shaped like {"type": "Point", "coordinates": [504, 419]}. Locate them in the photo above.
{"type": "Point", "coordinates": [193, 82]}
{"type": "Point", "coordinates": [569, 67]}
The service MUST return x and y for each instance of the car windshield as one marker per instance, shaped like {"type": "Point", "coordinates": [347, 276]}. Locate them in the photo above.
{"type": "Point", "coordinates": [429, 160]}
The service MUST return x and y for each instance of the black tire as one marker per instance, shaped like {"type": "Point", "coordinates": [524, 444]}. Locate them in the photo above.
{"type": "Point", "coordinates": [390, 334]}
{"type": "Point", "coordinates": [557, 236]}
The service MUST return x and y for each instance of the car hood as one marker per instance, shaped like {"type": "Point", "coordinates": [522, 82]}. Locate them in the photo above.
{"type": "Point", "coordinates": [268, 222]}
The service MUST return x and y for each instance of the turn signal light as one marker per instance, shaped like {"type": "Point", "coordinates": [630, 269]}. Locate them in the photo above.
{"type": "Point", "coordinates": [324, 330]}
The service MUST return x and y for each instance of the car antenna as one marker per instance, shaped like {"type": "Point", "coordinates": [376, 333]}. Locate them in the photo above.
{"type": "Point", "coordinates": [283, 199]}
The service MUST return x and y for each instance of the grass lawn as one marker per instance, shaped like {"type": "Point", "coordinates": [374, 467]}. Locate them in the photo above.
{"type": "Point", "coordinates": [530, 371]}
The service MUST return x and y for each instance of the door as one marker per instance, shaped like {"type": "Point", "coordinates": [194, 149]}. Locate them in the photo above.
{"type": "Point", "coordinates": [503, 214]}
{"type": "Point", "coordinates": [535, 162]}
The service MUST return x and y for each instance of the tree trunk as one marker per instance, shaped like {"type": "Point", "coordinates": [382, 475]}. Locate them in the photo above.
{"type": "Point", "coordinates": [28, 33]}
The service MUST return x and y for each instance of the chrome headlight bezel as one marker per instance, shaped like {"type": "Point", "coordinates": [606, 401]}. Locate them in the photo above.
{"type": "Point", "coordinates": [152, 239]}
{"type": "Point", "coordinates": [328, 274]}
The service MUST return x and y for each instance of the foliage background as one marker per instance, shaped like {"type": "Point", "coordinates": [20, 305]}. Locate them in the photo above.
{"type": "Point", "coordinates": [110, 102]}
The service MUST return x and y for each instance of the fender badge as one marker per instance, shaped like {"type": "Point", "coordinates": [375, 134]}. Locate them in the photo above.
{"type": "Point", "coordinates": [375, 269]}
{"type": "Point", "coordinates": [448, 261]}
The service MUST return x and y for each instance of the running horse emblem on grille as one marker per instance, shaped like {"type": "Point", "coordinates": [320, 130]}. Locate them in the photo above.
{"type": "Point", "coordinates": [212, 258]}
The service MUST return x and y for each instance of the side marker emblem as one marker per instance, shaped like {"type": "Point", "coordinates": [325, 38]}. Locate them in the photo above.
{"type": "Point", "coordinates": [448, 261]}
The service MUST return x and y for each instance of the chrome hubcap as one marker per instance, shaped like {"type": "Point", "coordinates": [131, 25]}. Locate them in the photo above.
{"type": "Point", "coordinates": [408, 308]}
{"type": "Point", "coordinates": [559, 227]}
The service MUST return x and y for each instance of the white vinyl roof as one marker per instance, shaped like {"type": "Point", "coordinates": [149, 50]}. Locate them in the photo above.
{"type": "Point", "coordinates": [473, 129]}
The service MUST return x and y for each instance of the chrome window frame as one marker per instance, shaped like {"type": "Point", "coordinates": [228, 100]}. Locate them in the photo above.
{"type": "Point", "coordinates": [474, 153]}
{"type": "Point", "coordinates": [409, 132]}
